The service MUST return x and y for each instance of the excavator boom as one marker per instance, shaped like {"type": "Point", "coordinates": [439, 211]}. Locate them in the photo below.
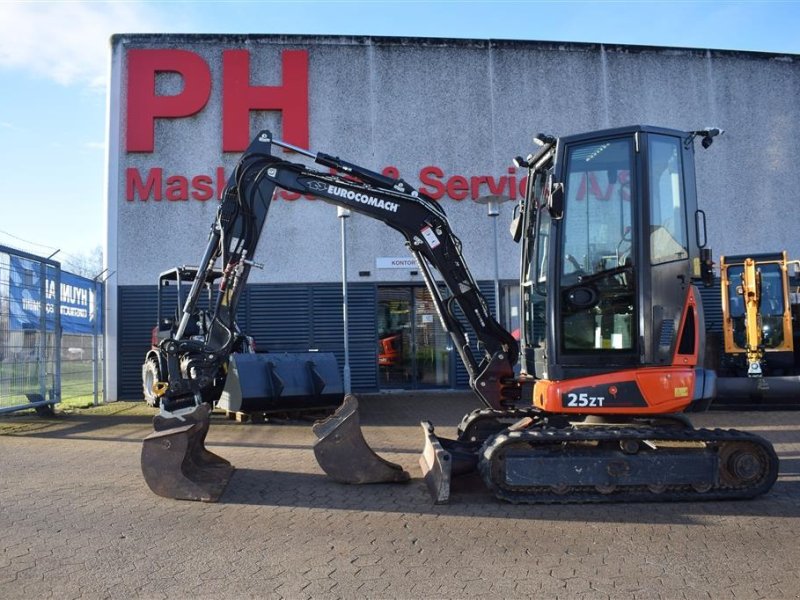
{"type": "Point", "coordinates": [246, 200]}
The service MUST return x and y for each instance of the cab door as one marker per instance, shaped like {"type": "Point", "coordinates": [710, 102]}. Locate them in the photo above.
{"type": "Point", "coordinates": [594, 275]}
{"type": "Point", "coordinates": [667, 244]}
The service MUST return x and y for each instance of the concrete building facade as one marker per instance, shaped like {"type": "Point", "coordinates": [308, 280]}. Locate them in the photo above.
{"type": "Point", "coordinates": [447, 116]}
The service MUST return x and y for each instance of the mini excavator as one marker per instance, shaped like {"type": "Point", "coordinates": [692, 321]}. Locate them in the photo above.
{"type": "Point", "coordinates": [585, 407]}
{"type": "Point", "coordinates": [759, 360]}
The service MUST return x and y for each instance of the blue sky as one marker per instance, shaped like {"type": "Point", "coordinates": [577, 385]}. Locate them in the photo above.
{"type": "Point", "coordinates": [54, 63]}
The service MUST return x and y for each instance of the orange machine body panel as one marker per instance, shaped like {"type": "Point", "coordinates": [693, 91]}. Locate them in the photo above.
{"type": "Point", "coordinates": [648, 390]}
{"type": "Point", "coordinates": [654, 390]}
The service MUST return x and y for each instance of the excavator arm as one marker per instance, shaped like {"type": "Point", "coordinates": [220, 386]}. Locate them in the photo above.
{"type": "Point", "coordinates": [430, 239]}
{"type": "Point", "coordinates": [193, 363]}
{"type": "Point", "coordinates": [422, 222]}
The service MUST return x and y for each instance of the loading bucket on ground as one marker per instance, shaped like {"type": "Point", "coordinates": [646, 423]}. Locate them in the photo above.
{"type": "Point", "coordinates": [282, 382]}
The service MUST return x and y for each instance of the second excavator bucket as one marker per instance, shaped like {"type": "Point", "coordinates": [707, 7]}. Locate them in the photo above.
{"type": "Point", "coordinates": [176, 463]}
{"type": "Point", "coordinates": [343, 453]}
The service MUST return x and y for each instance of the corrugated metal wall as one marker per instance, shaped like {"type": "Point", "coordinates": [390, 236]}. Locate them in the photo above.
{"type": "Point", "coordinates": [136, 318]}
{"type": "Point", "coordinates": [281, 317]}
{"type": "Point", "coordinates": [297, 317]}
{"type": "Point", "coordinates": [462, 378]}
{"type": "Point", "coordinates": [289, 317]}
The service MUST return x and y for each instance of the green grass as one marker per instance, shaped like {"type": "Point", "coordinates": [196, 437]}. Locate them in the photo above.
{"type": "Point", "coordinates": [77, 388]}
{"type": "Point", "coordinates": [80, 401]}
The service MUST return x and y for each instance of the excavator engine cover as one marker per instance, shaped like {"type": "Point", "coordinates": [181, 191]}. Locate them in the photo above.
{"type": "Point", "coordinates": [343, 453]}
{"type": "Point", "coordinates": [282, 382]}
{"type": "Point", "coordinates": [176, 463]}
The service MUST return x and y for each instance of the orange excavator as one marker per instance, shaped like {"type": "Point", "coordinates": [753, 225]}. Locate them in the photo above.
{"type": "Point", "coordinates": [610, 347]}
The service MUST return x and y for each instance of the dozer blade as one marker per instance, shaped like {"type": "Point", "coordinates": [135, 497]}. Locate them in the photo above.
{"type": "Point", "coordinates": [343, 453]}
{"type": "Point", "coordinates": [442, 459]}
{"type": "Point", "coordinates": [436, 466]}
{"type": "Point", "coordinates": [176, 463]}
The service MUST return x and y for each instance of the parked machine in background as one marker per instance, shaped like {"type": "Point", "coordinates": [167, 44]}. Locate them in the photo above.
{"type": "Point", "coordinates": [611, 340]}
{"type": "Point", "coordinates": [173, 287]}
{"type": "Point", "coordinates": [287, 383]}
{"type": "Point", "coordinates": [758, 362]}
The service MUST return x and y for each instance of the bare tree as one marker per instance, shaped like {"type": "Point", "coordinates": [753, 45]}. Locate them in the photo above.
{"type": "Point", "coordinates": [86, 264]}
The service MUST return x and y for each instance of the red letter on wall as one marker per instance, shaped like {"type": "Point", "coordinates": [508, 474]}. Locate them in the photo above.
{"type": "Point", "coordinates": [144, 106]}
{"type": "Point", "coordinates": [239, 98]}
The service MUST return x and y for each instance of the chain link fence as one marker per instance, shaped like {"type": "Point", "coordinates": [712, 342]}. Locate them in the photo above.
{"type": "Point", "coordinates": [51, 334]}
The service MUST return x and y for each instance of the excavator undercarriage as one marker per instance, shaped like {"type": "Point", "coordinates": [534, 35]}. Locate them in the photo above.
{"type": "Point", "coordinates": [615, 349]}
{"type": "Point", "coordinates": [545, 458]}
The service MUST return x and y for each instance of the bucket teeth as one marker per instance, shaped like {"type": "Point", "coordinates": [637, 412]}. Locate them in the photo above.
{"type": "Point", "coordinates": [343, 453]}
{"type": "Point", "coordinates": [176, 463]}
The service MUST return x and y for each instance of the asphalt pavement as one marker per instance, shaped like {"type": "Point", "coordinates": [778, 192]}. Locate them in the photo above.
{"type": "Point", "coordinates": [78, 521]}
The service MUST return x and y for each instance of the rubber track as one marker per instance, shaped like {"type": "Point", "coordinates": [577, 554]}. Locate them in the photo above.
{"type": "Point", "coordinates": [716, 439]}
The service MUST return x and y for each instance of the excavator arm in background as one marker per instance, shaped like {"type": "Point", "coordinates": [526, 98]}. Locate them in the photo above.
{"type": "Point", "coordinates": [192, 363]}
{"type": "Point", "coordinates": [757, 307]}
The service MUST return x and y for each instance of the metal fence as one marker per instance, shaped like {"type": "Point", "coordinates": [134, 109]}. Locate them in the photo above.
{"type": "Point", "coordinates": [51, 328]}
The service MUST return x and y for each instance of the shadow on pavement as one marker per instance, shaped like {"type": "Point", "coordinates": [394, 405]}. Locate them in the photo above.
{"type": "Point", "coordinates": [469, 498]}
{"type": "Point", "coordinates": [392, 412]}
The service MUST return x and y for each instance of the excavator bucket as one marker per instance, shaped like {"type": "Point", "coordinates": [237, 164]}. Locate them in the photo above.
{"type": "Point", "coordinates": [282, 382]}
{"type": "Point", "coordinates": [176, 463]}
{"type": "Point", "coordinates": [343, 453]}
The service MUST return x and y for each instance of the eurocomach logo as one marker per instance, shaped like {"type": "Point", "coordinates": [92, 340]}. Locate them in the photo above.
{"type": "Point", "coordinates": [239, 98]}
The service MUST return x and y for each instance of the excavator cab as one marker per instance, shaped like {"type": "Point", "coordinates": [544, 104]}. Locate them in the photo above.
{"type": "Point", "coordinates": [612, 243]}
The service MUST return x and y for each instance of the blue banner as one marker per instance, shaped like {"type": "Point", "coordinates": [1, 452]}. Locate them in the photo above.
{"type": "Point", "coordinates": [79, 297]}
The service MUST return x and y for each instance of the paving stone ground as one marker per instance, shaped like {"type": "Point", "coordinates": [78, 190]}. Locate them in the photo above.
{"type": "Point", "coordinates": [78, 521]}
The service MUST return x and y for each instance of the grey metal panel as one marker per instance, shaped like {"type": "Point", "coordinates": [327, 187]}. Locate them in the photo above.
{"type": "Point", "coordinates": [328, 329]}
{"type": "Point", "coordinates": [137, 316]}
{"type": "Point", "coordinates": [278, 317]}
{"type": "Point", "coordinates": [299, 317]}
{"type": "Point", "coordinates": [363, 301]}
{"type": "Point", "coordinates": [712, 306]}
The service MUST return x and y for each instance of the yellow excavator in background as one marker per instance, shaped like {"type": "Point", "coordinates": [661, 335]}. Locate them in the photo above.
{"type": "Point", "coordinates": [760, 362]}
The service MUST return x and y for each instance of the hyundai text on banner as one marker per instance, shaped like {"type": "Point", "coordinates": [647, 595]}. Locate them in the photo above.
{"type": "Point", "coordinates": [77, 296]}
